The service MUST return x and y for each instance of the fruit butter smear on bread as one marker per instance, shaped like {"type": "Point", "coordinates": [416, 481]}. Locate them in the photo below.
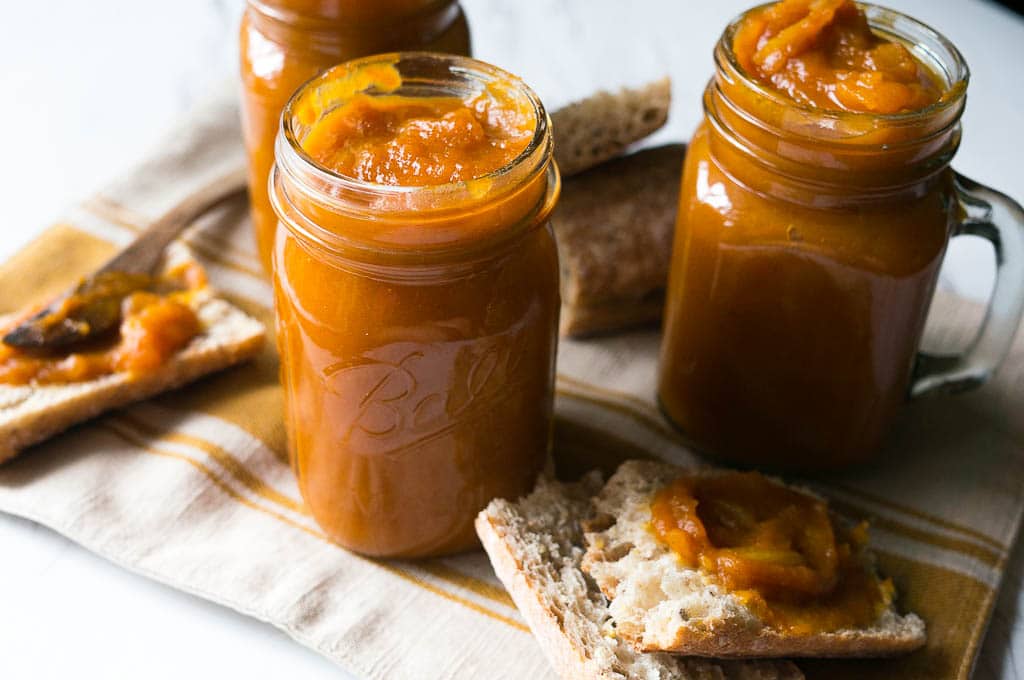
{"type": "Point", "coordinates": [734, 564]}
{"type": "Point", "coordinates": [536, 547]}
{"type": "Point", "coordinates": [172, 330]}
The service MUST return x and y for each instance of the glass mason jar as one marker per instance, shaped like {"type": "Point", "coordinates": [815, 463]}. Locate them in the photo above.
{"type": "Point", "coordinates": [284, 43]}
{"type": "Point", "coordinates": [417, 326]}
{"type": "Point", "coordinates": [807, 249]}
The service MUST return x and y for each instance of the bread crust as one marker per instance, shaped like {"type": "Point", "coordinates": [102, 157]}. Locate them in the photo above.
{"type": "Point", "coordinates": [30, 414]}
{"type": "Point", "coordinates": [593, 130]}
{"type": "Point", "coordinates": [699, 618]}
{"type": "Point", "coordinates": [535, 547]}
{"type": "Point", "coordinates": [614, 227]}
{"type": "Point", "coordinates": [545, 622]}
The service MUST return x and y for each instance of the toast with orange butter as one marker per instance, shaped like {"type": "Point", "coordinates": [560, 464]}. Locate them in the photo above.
{"type": "Point", "coordinates": [730, 564]}
{"type": "Point", "coordinates": [197, 333]}
{"type": "Point", "coordinates": [536, 547]}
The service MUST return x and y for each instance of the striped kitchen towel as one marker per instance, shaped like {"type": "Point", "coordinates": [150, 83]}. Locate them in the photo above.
{"type": "Point", "coordinates": [193, 488]}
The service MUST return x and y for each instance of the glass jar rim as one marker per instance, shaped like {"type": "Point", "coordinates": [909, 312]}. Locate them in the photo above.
{"type": "Point", "coordinates": [273, 11]}
{"type": "Point", "coordinates": [881, 20]}
{"type": "Point", "coordinates": [467, 66]}
{"type": "Point", "coordinates": [405, 209]}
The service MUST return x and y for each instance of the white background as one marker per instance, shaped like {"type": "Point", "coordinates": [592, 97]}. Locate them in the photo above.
{"type": "Point", "coordinates": [88, 87]}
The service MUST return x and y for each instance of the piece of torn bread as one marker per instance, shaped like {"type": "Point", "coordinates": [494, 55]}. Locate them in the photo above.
{"type": "Point", "coordinates": [536, 548]}
{"type": "Point", "coordinates": [614, 226]}
{"type": "Point", "coordinates": [32, 413]}
{"type": "Point", "coordinates": [602, 126]}
{"type": "Point", "coordinates": [659, 604]}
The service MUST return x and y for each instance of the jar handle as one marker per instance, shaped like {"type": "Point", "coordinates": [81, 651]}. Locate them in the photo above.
{"type": "Point", "coordinates": [999, 219]}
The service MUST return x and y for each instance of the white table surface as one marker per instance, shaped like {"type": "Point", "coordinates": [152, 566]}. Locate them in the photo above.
{"type": "Point", "coordinates": [89, 86]}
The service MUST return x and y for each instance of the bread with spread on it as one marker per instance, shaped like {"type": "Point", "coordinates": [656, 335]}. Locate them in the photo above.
{"type": "Point", "coordinates": [30, 414]}
{"type": "Point", "coordinates": [536, 548]}
{"type": "Point", "coordinates": [658, 604]}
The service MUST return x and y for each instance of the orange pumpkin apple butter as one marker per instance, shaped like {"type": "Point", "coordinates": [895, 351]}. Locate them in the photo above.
{"type": "Point", "coordinates": [417, 141]}
{"type": "Point", "coordinates": [153, 328]}
{"type": "Point", "coordinates": [823, 53]}
{"type": "Point", "coordinates": [775, 548]}
{"type": "Point", "coordinates": [156, 322]}
{"type": "Point", "coordinates": [416, 288]}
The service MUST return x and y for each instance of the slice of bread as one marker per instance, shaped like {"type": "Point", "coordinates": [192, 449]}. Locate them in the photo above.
{"type": "Point", "coordinates": [536, 548]}
{"type": "Point", "coordinates": [614, 226]}
{"type": "Point", "coordinates": [602, 126]}
{"type": "Point", "coordinates": [657, 604]}
{"type": "Point", "coordinates": [31, 413]}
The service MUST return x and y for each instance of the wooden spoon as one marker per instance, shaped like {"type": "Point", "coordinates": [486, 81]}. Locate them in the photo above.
{"type": "Point", "coordinates": [93, 307]}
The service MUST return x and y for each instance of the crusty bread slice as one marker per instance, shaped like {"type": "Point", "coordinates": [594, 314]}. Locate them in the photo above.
{"type": "Point", "coordinates": [614, 226]}
{"type": "Point", "coordinates": [536, 546]}
{"type": "Point", "coordinates": [602, 126]}
{"type": "Point", "coordinates": [658, 604]}
{"type": "Point", "coordinates": [31, 413]}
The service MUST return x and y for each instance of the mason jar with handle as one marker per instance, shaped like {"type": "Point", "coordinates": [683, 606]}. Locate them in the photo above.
{"type": "Point", "coordinates": [807, 250]}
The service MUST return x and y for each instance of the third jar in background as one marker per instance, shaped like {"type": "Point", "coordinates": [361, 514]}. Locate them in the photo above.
{"type": "Point", "coordinates": [284, 43]}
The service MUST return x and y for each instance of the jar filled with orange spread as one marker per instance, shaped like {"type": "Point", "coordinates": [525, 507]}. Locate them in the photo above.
{"type": "Point", "coordinates": [284, 43]}
{"type": "Point", "coordinates": [815, 209]}
{"type": "Point", "coordinates": [776, 549]}
{"type": "Point", "coordinates": [416, 284]}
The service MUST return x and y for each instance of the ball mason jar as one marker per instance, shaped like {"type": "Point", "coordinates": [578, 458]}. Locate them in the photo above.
{"type": "Point", "coordinates": [417, 327]}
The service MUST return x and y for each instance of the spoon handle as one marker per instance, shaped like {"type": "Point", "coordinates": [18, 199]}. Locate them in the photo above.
{"type": "Point", "coordinates": [142, 255]}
